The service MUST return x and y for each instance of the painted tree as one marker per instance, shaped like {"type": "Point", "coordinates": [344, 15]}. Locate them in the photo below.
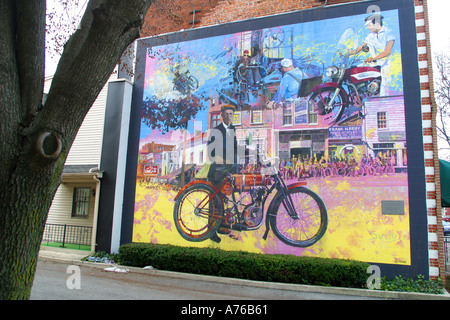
{"type": "Point", "coordinates": [165, 115]}
{"type": "Point", "coordinates": [35, 137]}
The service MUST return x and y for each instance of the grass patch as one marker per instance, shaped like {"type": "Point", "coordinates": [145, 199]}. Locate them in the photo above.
{"type": "Point", "coordinates": [67, 246]}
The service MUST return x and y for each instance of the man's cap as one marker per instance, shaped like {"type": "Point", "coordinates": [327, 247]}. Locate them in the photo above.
{"type": "Point", "coordinates": [286, 63]}
{"type": "Point", "coordinates": [246, 52]}
{"type": "Point", "coordinates": [227, 107]}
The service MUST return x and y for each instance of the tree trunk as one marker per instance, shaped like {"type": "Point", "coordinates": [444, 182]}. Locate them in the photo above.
{"type": "Point", "coordinates": [36, 139]}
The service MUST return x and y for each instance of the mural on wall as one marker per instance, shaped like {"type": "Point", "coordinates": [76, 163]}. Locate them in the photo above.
{"type": "Point", "coordinates": [319, 117]}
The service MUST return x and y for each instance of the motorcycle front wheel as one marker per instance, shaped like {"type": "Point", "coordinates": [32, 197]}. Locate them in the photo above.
{"type": "Point", "coordinates": [328, 106]}
{"type": "Point", "coordinates": [309, 224]}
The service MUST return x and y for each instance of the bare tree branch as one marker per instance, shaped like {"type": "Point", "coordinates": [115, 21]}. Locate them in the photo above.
{"type": "Point", "coordinates": [89, 57]}
{"type": "Point", "coordinates": [30, 58]}
{"type": "Point", "coordinates": [442, 95]}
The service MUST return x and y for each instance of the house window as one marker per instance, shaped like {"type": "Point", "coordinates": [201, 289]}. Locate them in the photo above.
{"type": "Point", "coordinates": [312, 114]}
{"type": "Point", "coordinates": [256, 117]}
{"type": "Point", "coordinates": [80, 203]}
{"type": "Point", "coordinates": [287, 114]}
{"type": "Point", "coordinates": [381, 120]}
{"type": "Point", "coordinates": [215, 120]}
{"type": "Point", "coordinates": [237, 118]}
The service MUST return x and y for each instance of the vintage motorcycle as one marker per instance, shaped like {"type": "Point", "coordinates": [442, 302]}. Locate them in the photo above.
{"type": "Point", "coordinates": [296, 214]}
{"type": "Point", "coordinates": [348, 85]}
{"type": "Point", "coordinates": [184, 82]}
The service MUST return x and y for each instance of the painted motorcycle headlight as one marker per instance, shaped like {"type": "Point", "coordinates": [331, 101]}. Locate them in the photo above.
{"type": "Point", "coordinates": [331, 71]}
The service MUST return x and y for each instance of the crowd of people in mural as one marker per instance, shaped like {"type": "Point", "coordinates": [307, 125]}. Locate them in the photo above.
{"type": "Point", "coordinates": [340, 166]}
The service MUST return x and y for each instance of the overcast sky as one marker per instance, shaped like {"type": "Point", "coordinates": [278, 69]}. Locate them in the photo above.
{"type": "Point", "coordinates": [440, 42]}
{"type": "Point", "coordinates": [439, 18]}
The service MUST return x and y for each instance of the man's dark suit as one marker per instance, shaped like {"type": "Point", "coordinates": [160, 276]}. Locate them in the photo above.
{"type": "Point", "coordinates": [227, 154]}
{"type": "Point", "coordinates": [221, 163]}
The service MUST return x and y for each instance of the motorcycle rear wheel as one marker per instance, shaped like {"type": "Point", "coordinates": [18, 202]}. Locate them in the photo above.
{"type": "Point", "coordinates": [197, 215]}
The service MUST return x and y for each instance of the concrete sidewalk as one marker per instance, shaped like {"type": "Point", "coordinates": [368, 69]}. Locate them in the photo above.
{"type": "Point", "coordinates": [74, 257]}
{"type": "Point", "coordinates": [62, 255]}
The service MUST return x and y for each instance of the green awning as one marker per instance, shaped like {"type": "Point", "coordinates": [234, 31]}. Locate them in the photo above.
{"type": "Point", "coordinates": [444, 167]}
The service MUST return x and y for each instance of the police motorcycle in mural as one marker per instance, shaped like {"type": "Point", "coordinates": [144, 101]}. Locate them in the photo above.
{"type": "Point", "coordinates": [350, 83]}
{"type": "Point", "coordinates": [296, 214]}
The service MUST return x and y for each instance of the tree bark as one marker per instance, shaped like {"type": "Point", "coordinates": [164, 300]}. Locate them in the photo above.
{"type": "Point", "coordinates": [36, 139]}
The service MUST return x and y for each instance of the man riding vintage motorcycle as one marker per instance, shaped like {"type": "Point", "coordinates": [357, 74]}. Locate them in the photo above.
{"type": "Point", "coordinates": [209, 205]}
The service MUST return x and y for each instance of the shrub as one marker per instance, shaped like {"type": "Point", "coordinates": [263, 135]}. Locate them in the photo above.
{"type": "Point", "coordinates": [245, 265]}
{"type": "Point", "coordinates": [420, 284]}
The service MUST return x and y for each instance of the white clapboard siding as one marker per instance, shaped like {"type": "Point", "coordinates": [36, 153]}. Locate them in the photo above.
{"type": "Point", "coordinates": [86, 148]}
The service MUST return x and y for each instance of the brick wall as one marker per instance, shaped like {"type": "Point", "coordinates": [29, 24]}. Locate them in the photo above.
{"type": "Point", "coordinates": [435, 229]}
{"type": "Point", "coordinates": [174, 15]}
{"type": "Point", "coordinates": [167, 16]}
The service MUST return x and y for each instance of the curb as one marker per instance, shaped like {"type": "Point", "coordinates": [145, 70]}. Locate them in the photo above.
{"type": "Point", "coordinates": [393, 295]}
